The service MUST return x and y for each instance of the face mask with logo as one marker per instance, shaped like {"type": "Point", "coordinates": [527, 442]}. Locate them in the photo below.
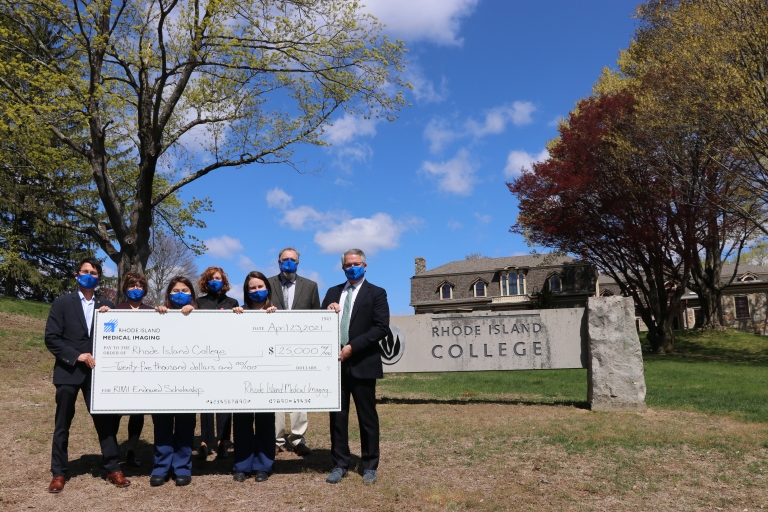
{"type": "Point", "coordinates": [215, 286]}
{"type": "Point", "coordinates": [135, 294]}
{"type": "Point", "coordinates": [288, 266]}
{"type": "Point", "coordinates": [354, 273]}
{"type": "Point", "coordinates": [180, 299]}
{"type": "Point", "coordinates": [87, 281]}
{"type": "Point", "coordinates": [259, 296]}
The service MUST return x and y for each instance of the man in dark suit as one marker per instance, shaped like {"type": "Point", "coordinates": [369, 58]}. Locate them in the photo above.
{"type": "Point", "coordinates": [364, 321]}
{"type": "Point", "coordinates": [290, 291]}
{"type": "Point", "coordinates": [69, 337]}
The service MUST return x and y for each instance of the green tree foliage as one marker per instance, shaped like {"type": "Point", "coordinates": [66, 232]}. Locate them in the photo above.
{"type": "Point", "coordinates": [682, 68]}
{"type": "Point", "coordinates": [756, 254]}
{"type": "Point", "coordinates": [150, 96]}
{"type": "Point", "coordinates": [37, 260]}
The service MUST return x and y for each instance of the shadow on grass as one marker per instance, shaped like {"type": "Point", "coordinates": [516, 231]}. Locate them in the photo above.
{"type": "Point", "coordinates": [320, 461]}
{"type": "Point", "coordinates": [470, 401]}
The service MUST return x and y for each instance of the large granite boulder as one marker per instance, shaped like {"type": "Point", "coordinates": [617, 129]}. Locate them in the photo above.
{"type": "Point", "coordinates": [616, 377]}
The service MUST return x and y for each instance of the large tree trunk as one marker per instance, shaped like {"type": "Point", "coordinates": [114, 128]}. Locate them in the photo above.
{"type": "Point", "coordinates": [661, 338]}
{"type": "Point", "coordinates": [710, 301]}
{"type": "Point", "coordinates": [131, 258]}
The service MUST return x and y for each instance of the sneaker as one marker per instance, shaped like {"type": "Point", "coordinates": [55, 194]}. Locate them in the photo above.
{"type": "Point", "coordinates": [369, 476]}
{"type": "Point", "coordinates": [336, 475]}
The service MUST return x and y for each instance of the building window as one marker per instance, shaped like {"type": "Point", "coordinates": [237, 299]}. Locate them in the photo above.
{"type": "Point", "coordinates": [742, 307]}
{"type": "Point", "coordinates": [513, 284]}
{"type": "Point", "coordinates": [747, 278]}
{"type": "Point", "coordinates": [555, 283]}
{"type": "Point", "coordinates": [446, 291]}
{"type": "Point", "coordinates": [479, 289]}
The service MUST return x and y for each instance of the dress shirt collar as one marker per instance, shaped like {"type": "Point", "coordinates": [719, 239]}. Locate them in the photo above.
{"type": "Point", "coordinates": [286, 281]}
{"type": "Point", "coordinates": [357, 284]}
{"type": "Point", "coordinates": [83, 299]}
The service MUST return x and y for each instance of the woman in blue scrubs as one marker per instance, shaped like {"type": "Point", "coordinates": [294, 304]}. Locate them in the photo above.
{"type": "Point", "coordinates": [175, 432]}
{"type": "Point", "coordinates": [254, 447]}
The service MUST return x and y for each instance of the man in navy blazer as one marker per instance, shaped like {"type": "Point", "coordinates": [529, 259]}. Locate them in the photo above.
{"type": "Point", "coordinates": [364, 321]}
{"type": "Point", "coordinates": [69, 337]}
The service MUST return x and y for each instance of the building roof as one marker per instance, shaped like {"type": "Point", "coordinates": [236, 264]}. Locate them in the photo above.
{"type": "Point", "coordinates": [758, 270]}
{"type": "Point", "coordinates": [761, 271]}
{"type": "Point", "coordinates": [492, 264]}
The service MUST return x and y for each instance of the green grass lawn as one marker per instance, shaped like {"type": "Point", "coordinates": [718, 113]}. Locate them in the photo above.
{"type": "Point", "coordinates": [714, 372]}
{"type": "Point", "coordinates": [24, 307]}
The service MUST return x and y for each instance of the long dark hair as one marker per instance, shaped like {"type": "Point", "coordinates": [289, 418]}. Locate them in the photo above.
{"type": "Point", "coordinates": [183, 280]}
{"type": "Point", "coordinates": [258, 275]}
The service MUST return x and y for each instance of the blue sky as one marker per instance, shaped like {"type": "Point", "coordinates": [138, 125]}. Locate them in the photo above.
{"type": "Point", "coordinates": [490, 79]}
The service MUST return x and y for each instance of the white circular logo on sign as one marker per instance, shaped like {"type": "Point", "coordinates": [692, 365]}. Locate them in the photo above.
{"type": "Point", "coordinates": [392, 346]}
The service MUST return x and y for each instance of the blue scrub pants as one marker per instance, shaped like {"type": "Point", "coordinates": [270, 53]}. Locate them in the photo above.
{"type": "Point", "coordinates": [254, 450]}
{"type": "Point", "coordinates": [174, 436]}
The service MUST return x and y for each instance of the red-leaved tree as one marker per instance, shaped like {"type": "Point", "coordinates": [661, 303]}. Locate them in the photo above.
{"type": "Point", "coordinates": [601, 195]}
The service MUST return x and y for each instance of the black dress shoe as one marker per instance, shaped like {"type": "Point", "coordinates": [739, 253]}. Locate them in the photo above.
{"type": "Point", "coordinates": [203, 452]}
{"type": "Point", "coordinates": [221, 451]}
{"type": "Point", "coordinates": [262, 476]}
{"type": "Point", "coordinates": [157, 480]}
{"type": "Point", "coordinates": [183, 480]}
{"type": "Point", "coordinates": [131, 460]}
{"type": "Point", "coordinates": [302, 450]}
{"type": "Point", "coordinates": [239, 476]}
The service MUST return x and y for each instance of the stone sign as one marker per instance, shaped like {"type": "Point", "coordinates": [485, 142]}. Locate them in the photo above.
{"type": "Point", "coordinates": [483, 340]}
{"type": "Point", "coordinates": [600, 337]}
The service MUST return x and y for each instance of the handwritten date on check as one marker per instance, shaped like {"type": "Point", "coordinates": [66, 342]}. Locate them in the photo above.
{"type": "Point", "coordinates": [215, 361]}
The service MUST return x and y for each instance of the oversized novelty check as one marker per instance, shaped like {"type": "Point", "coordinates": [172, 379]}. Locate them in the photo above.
{"type": "Point", "coordinates": [215, 361]}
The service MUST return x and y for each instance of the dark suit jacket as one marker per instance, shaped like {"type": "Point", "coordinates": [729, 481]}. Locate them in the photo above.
{"type": "Point", "coordinates": [67, 336]}
{"type": "Point", "coordinates": [369, 323]}
{"type": "Point", "coordinates": [216, 301]}
{"type": "Point", "coordinates": [125, 305]}
{"type": "Point", "coordinates": [305, 295]}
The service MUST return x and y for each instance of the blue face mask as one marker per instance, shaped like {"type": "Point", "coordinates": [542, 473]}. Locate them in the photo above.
{"type": "Point", "coordinates": [87, 281]}
{"type": "Point", "coordinates": [215, 286]}
{"type": "Point", "coordinates": [259, 295]}
{"type": "Point", "coordinates": [354, 273]}
{"type": "Point", "coordinates": [288, 266]}
{"type": "Point", "coordinates": [135, 294]}
{"type": "Point", "coordinates": [180, 299]}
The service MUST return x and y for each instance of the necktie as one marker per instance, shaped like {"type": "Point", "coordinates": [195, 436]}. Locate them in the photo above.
{"type": "Point", "coordinates": [345, 316]}
{"type": "Point", "coordinates": [286, 295]}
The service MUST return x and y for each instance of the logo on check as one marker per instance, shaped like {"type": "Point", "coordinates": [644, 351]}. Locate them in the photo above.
{"type": "Point", "coordinates": [110, 326]}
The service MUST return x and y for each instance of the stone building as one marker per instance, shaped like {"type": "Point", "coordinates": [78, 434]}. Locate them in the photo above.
{"type": "Point", "coordinates": [499, 284]}
{"type": "Point", "coordinates": [744, 301]}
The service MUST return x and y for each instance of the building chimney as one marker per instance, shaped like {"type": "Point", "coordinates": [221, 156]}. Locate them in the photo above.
{"type": "Point", "coordinates": [421, 265]}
